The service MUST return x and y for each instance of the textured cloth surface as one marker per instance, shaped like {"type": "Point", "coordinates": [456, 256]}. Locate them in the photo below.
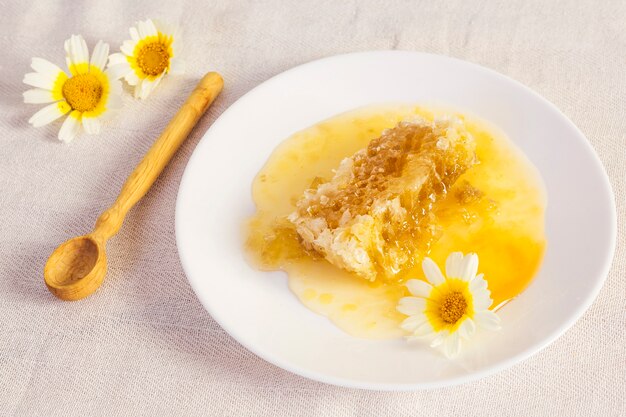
{"type": "Point", "coordinates": [143, 344]}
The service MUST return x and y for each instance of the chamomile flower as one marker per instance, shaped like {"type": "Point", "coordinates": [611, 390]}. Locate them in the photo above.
{"type": "Point", "coordinates": [150, 54]}
{"type": "Point", "coordinates": [88, 94]}
{"type": "Point", "coordinates": [448, 308]}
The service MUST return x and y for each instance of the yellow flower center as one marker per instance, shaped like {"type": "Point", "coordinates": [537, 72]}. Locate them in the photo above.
{"type": "Point", "coordinates": [453, 307]}
{"type": "Point", "coordinates": [153, 58]}
{"type": "Point", "coordinates": [82, 92]}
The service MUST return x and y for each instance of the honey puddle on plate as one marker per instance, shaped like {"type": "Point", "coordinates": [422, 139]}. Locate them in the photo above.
{"type": "Point", "coordinates": [503, 223]}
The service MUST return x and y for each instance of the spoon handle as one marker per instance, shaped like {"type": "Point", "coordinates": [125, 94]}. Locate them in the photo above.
{"type": "Point", "coordinates": [159, 155]}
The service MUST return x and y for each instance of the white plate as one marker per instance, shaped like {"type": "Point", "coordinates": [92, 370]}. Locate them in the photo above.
{"type": "Point", "coordinates": [258, 309]}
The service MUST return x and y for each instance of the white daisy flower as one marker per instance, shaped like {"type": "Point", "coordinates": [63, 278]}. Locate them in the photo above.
{"type": "Point", "coordinates": [147, 57]}
{"type": "Point", "coordinates": [88, 94]}
{"type": "Point", "coordinates": [448, 309]}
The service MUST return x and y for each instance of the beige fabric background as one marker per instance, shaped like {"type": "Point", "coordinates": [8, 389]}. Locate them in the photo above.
{"type": "Point", "coordinates": [143, 345]}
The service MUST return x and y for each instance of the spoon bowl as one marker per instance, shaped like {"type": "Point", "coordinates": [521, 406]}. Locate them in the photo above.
{"type": "Point", "coordinates": [76, 268]}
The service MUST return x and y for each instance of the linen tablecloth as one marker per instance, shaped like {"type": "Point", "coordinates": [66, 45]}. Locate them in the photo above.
{"type": "Point", "coordinates": [143, 344]}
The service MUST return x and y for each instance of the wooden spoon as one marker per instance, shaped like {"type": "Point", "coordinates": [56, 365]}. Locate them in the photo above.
{"type": "Point", "coordinates": [77, 267]}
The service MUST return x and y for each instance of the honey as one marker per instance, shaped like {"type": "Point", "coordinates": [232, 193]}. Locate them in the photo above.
{"type": "Point", "coordinates": [495, 208]}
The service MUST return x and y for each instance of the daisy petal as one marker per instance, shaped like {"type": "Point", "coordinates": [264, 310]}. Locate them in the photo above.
{"type": "Point", "coordinates": [71, 127]}
{"type": "Point", "coordinates": [117, 71]}
{"type": "Point", "coordinates": [76, 53]}
{"type": "Point", "coordinates": [467, 328]}
{"type": "Point", "coordinates": [128, 47]}
{"type": "Point", "coordinates": [141, 29]}
{"type": "Point", "coordinates": [432, 272]}
{"type": "Point", "coordinates": [49, 114]}
{"type": "Point", "coordinates": [453, 264]}
{"type": "Point", "coordinates": [80, 52]}
{"type": "Point", "coordinates": [151, 28]}
{"type": "Point", "coordinates": [147, 28]}
{"type": "Point", "coordinates": [487, 319]}
{"type": "Point", "coordinates": [148, 86]}
{"type": "Point", "coordinates": [134, 34]}
{"type": "Point", "coordinates": [419, 288]}
{"type": "Point", "coordinates": [411, 305]}
{"type": "Point", "coordinates": [423, 330]}
{"type": "Point", "coordinates": [100, 55]}
{"type": "Point", "coordinates": [482, 299]}
{"type": "Point", "coordinates": [437, 341]}
{"type": "Point", "coordinates": [157, 81]}
{"type": "Point", "coordinates": [38, 95]}
{"type": "Point", "coordinates": [117, 58]}
{"type": "Point", "coordinates": [478, 283]}
{"type": "Point", "coordinates": [413, 322]}
{"type": "Point", "coordinates": [91, 125]}
{"type": "Point", "coordinates": [38, 80]}
{"type": "Point", "coordinates": [45, 67]}
{"type": "Point", "coordinates": [132, 78]}
{"type": "Point", "coordinates": [452, 345]}
{"type": "Point", "coordinates": [469, 267]}
{"type": "Point", "coordinates": [114, 85]}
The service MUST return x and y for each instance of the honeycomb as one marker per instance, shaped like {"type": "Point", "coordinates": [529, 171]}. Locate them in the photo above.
{"type": "Point", "coordinates": [375, 216]}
